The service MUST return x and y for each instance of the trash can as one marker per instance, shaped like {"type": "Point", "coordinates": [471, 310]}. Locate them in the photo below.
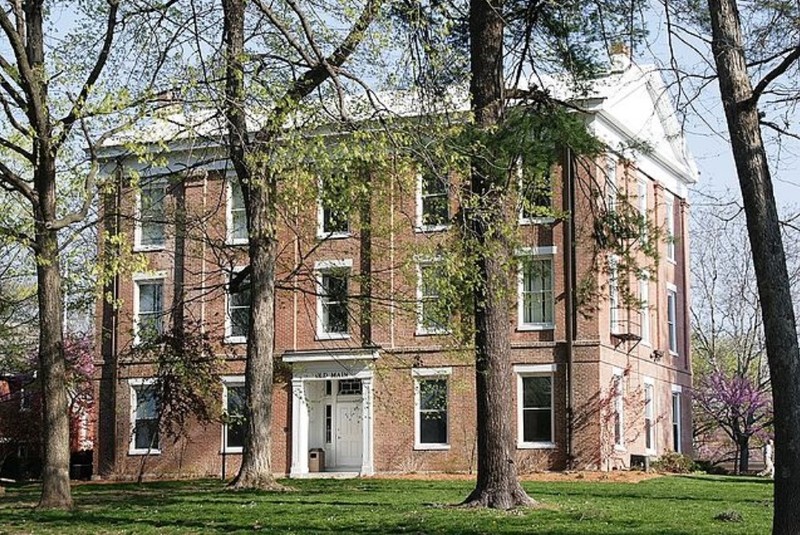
{"type": "Point", "coordinates": [316, 460]}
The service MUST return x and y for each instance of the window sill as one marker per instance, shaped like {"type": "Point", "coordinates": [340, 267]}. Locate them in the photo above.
{"type": "Point", "coordinates": [424, 229]}
{"type": "Point", "coordinates": [672, 261]}
{"type": "Point", "coordinates": [619, 448]}
{"type": "Point", "coordinates": [673, 353]}
{"type": "Point", "coordinates": [650, 452]}
{"type": "Point", "coordinates": [536, 220]}
{"type": "Point", "coordinates": [535, 327]}
{"type": "Point", "coordinates": [235, 339]}
{"type": "Point", "coordinates": [536, 445]}
{"type": "Point", "coordinates": [144, 452]}
{"type": "Point", "coordinates": [148, 248]}
{"type": "Point", "coordinates": [233, 242]}
{"type": "Point", "coordinates": [229, 451]}
{"type": "Point", "coordinates": [421, 331]}
{"type": "Point", "coordinates": [333, 235]}
{"type": "Point", "coordinates": [333, 336]}
{"type": "Point", "coordinates": [431, 447]}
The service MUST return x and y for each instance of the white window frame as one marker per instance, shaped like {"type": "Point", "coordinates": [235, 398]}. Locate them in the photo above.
{"type": "Point", "coordinates": [422, 330]}
{"type": "Point", "coordinates": [642, 193]}
{"type": "Point", "coordinates": [618, 398]}
{"type": "Point", "coordinates": [421, 226]}
{"type": "Point", "coordinates": [677, 423]}
{"type": "Point", "coordinates": [229, 381]}
{"type": "Point", "coordinates": [147, 278]}
{"type": "Point", "coordinates": [614, 307]}
{"type": "Point", "coordinates": [611, 183]}
{"type": "Point", "coordinates": [137, 229]}
{"type": "Point", "coordinates": [322, 234]}
{"type": "Point", "coordinates": [134, 402]}
{"type": "Point", "coordinates": [644, 309]}
{"type": "Point", "coordinates": [231, 239]}
{"type": "Point", "coordinates": [672, 319]}
{"type": "Point", "coordinates": [320, 269]}
{"type": "Point", "coordinates": [650, 414]}
{"type": "Point", "coordinates": [535, 370]}
{"type": "Point", "coordinates": [229, 337]}
{"type": "Point", "coordinates": [430, 374]}
{"type": "Point", "coordinates": [535, 253]}
{"type": "Point", "coordinates": [523, 220]}
{"type": "Point", "coordinates": [669, 207]}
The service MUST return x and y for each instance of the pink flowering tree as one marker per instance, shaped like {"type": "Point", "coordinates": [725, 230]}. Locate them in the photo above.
{"type": "Point", "coordinates": [737, 405]}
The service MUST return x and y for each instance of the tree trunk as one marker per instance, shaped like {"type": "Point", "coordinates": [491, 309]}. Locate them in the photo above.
{"type": "Point", "coordinates": [56, 493]}
{"type": "Point", "coordinates": [258, 190]}
{"type": "Point", "coordinates": [498, 484]}
{"type": "Point", "coordinates": [768, 257]}
{"type": "Point", "coordinates": [743, 443]}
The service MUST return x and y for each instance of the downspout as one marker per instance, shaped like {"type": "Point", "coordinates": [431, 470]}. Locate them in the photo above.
{"type": "Point", "coordinates": [570, 298]}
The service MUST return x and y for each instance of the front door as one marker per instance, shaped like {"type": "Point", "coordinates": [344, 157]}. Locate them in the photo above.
{"type": "Point", "coordinates": [347, 433]}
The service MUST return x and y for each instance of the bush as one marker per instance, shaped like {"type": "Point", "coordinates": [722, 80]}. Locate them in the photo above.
{"type": "Point", "coordinates": [674, 463]}
{"type": "Point", "coordinates": [709, 467]}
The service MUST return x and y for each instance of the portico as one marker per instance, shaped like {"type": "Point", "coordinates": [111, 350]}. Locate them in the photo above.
{"type": "Point", "coordinates": [332, 409]}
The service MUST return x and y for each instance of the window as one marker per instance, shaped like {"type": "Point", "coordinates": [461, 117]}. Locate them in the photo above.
{"type": "Point", "coordinates": [430, 400]}
{"type": "Point", "coordinates": [429, 313]}
{"type": "Point", "coordinates": [649, 416]}
{"type": "Point", "coordinates": [669, 204]}
{"type": "Point", "coordinates": [433, 202]}
{"type": "Point", "coordinates": [238, 313]}
{"type": "Point", "coordinates": [148, 321]}
{"type": "Point", "coordinates": [535, 293]}
{"type": "Point", "coordinates": [237, 213]}
{"type": "Point", "coordinates": [535, 406]}
{"type": "Point", "coordinates": [332, 313]}
{"type": "Point", "coordinates": [333, 204]}
{"type": "Point", "coordinates": [25, 399]}
{"type": "Point", "coordinates": [643, 208]}
{"type": "Point", "coordinates": [144, 417]}
{"type": "Point", "coordinates": [614, 306]}
{"type": "Point", "coordinates": [536, 196]}
{"type": "Point", "coordinates": [233, 401]}
{"type": "Point", "coordinates": [611, 184]}
{"type": "Point", "coordinates": [672, 318]}
{"type": "Point", "coordinates": [676, 418]}
{"type": "Point", "coordinates": [150, 231]}
{"type": "Point", "coordinates": [618, 399]}
{"type": "Point", "coordinates": [350, 387]}
{"type": "Point", "coordinates": [644, 308]}
{"type": "Point", "coordinates": [328, 423]}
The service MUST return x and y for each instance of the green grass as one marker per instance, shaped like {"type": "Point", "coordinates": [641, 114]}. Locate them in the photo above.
{"type": "Point", "coordinates": [668, 505]}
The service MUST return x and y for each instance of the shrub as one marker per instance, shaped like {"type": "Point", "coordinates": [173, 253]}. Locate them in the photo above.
{"type": "Point", "coordinates": [674, 463]}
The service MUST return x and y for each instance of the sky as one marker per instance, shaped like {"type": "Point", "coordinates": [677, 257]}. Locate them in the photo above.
{"type": "Point", "coordinates": [706, 132]}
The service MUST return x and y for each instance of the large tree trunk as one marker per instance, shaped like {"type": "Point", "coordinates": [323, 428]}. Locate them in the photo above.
{"type": "Point", "coordinates": [768, 257]}
{"type": "Point", "coordinates": [259, 191]}
{"type": "Point", "coordinates": [497, 485]}
{"type": "Point", "coordinates": [56, 492]}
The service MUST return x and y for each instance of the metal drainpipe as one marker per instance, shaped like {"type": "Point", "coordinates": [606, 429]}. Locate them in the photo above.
{"type": "Point", "coordinates": [569, 289]}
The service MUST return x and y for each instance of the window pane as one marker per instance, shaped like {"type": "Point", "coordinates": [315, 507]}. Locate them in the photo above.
{"type": "Point", "coordinates": [537, 425]}
{"type": "Point", "coordinates": [151, 214]}
{"type": "Point", "coordinates": [334, 205]}
{"type": "Point", "coordinates": [433, 428]}
{"type": "Point", "coordinates": [146, 416]}
{"type": "Point", "coordinates": [536, 196]}
{"type": "Point", "coordinates": [236, 422]}
{"type": "Point", "coordinates": [433, 394]}
{"type": "Point", "coordinates": [536, 392]}
{"type": "Point", "coordinates": [239, 309]}
{"type": "Point", "coordinates": [146, 434]}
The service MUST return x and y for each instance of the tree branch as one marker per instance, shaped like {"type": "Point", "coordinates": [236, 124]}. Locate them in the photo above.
{"type": "Point", "coordinates": [781, 68]}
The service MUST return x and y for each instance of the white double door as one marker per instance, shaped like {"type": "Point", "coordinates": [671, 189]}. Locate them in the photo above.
{"type": "Point", "coordinates": [348, 433]}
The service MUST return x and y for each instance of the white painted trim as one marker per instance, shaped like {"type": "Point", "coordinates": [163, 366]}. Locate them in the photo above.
{"type": "Point", "coordinates": [419, 226]}
{"type": "Point", "coordinates": [535, 370]}
{"type": "Point", "coordinates": [672, 293]}
{"type": "Point", "coordinates": [423, 374]}
{"type": "Point", "coordinates": [421, 330]}
{"type": "Point", "coordinates": [229, 338]}
{"type": "Point", "coordinates": [320, 267]}
{"type": "Point", "coordinates": [229, 239]}
{"type": "Point", "coordinates": [619, 404]}
{"type": "Point", "coordinates": [650, 382]}
{"type": "Point", "coordinates": [133, 402]}
{"type": "Point", "coordinates": [669, 223]}
{"type": "Point", "coordinates": [143, 278]}
{"type": "Point", "coordinates": [536, 253]}
{"type": "Point", "coordinates": [676, 389]}
{"type": "Point", "coordinates": [227, 381]}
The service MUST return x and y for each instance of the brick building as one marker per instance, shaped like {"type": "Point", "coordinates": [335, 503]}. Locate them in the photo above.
{"type": "Point", "coordinates": [598, 379]}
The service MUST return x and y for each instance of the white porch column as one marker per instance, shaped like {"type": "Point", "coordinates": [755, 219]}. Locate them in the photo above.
{"type": "Point", "coordinates": [367, 468]}
{"type": "Point", "coordinates": [299, 429]}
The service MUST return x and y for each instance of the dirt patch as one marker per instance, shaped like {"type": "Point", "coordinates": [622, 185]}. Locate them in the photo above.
{"type": "Point", "coordinates": [610, 477]}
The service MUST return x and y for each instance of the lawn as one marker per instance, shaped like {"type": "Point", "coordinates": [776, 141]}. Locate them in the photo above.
{"type": "Point", "coordinates": [667, 505]}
